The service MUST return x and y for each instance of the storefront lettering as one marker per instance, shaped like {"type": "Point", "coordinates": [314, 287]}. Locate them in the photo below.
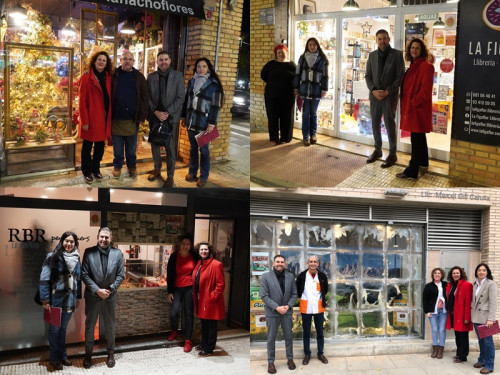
{"type": "Point", "coordinates": [162, 5]}
{"type": "Point", "coordinates": [492, 49]}
{"type": "Point", "coordinates": [463, 196]}
{"type": "Point", "coordinates": [86, 239]}
{"type": "Point", "coordinates": [26, 235]}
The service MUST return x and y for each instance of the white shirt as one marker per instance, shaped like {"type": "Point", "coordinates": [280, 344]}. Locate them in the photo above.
{"type": "Point", "coordinates": [312, 293]}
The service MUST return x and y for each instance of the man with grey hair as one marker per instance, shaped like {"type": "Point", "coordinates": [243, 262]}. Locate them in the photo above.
{"type": "Point", "coordinates": [312, 286]}
{"type": "Point", "coordinates": [102, 274]}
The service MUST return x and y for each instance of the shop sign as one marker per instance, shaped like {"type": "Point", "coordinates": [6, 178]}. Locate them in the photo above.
{"type": "Point", "coordinates": [266, 16]}
{"type": "Point", "coordinates": [446, 65]}
{"type": "Point", "coordinates": [191, 8]}
{"type": "Point", "coordinates": [476, 102]}
{"type": "Point", "coordinates": [428, 17]}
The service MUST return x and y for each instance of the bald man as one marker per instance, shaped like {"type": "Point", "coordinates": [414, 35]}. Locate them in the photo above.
{"type": "Point", "coordinates": [130, 97]}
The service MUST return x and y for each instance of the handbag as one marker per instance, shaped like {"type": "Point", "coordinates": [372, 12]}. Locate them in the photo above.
{"type": "Point", "coordinates": [37, 299]}
{"type": "Point", "coordinates": [160, 131]}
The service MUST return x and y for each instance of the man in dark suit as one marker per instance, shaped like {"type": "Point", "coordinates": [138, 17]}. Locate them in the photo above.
{"type": "Point", "coordinates": [279, 292]}
{"type": "Point", "coordinates": [384, 71]}
{"type": "Point", "coordinates": [102, 274]}
{"type": "Point", "coordinates": [166, 96]}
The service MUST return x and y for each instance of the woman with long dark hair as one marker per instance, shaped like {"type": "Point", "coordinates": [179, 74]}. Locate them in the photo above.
{"type": "Point", "coordinates": [60, 286]}
{"type": "Point", "coordinates": [180, 288]}
{"type": "Point", "coordinates": [311, 83]}
{"type": "Point", "coordinates": [200, 113]}
{"type": "Point", "coordinates": [434, 304]}
{"type": "Point", "coordinates": [209, 284]}
{"type": "Point", "coordinates": [95, 113]}
{"type": "Point", "coordinates": [484, 310]}
{"type": "Point", "coordinates": [459, 298]}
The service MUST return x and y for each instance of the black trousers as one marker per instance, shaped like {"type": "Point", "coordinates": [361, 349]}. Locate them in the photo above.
{"type": "Point", "coordinates": [419, 154]}
{"type": "Point", "coordinates": [91, 163]}
{"type": "Point", "coordinates": [208, 335]}
{"type": "Point", "coordinates": [280, 117]}
{"type": "Point", "coordinates": [462, 342]}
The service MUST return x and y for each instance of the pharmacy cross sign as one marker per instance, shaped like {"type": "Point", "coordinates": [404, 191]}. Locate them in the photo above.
{"type": "Point", "coordinates": [190, 8]}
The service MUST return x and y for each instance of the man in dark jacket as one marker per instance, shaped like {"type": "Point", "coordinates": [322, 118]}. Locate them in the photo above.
{"type": "Point", "coordinates": [312, 286]}
{"type": "Point", "coordinates": [166, 96]}
{"type": "Point", "coordinates": [130, 97]}
{"type": "Point", "coordinates": [384, 70]}
{"type": "Point", "coordinates": [102, 274]}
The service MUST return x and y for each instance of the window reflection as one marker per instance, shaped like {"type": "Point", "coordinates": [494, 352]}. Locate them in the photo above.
{"type": "Point", "coordinates": [319, 235]}
{"type": "Point", "coordinates": [397, 238]}
{"type": "Point", "coordinates": [289, 234]}
{"type": "Point", "coordinates": [346, 295]}
{"type": "Point", "coordinates": [347, 265]}
{"type": "Point", "coordinates": [373, 265]}
{"type": "Point", "coordinates": [293, 261]}
{"type": "Point", "coordinates": [262, 233]}
{"type": "Point", "coordinates": [373, 238]}
{"type": "Point", "coordinates": [346, 237]}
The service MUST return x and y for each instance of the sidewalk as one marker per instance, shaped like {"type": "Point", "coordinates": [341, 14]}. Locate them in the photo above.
{"type": "Point", "coordinates": [377, 362]}
{"type": "Point", "coordinates": [152, 357]}
{"type": "Point", "coordinates": [334, 163]}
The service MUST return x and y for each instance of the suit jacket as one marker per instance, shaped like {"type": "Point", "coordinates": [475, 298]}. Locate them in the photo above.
{"type": "Point", "coordinates": [174, 95]}
{"type": "Point", "coordinates": [484, 305]}
{"type": "Point", "coordinates": [272, 295]}
{"type": "Point", "coordinates": [391, 75]}
{"type": "Point", "coordinates": [92, 273]}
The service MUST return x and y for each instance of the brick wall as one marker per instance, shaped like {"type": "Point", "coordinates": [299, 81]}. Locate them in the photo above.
{"type": "Point", "coordinates": [476, 163]}
{"type": "Point", "coordinates": [202, 41]}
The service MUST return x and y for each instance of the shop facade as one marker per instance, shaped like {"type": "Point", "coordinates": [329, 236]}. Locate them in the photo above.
{"type": "Point", "coordinates": [146, 226]}
{"type": "Point", "coordinates": [45, 50]}
{"type": "Point", "coordinates": [377, 248]}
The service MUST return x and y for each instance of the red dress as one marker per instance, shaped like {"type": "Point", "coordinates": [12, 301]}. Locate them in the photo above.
{"type": "Point", "coordinates": [209, 302]}
{"type": "Point", "coordinates": [462, 306]}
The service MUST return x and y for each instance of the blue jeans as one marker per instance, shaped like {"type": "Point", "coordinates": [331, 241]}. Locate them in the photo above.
{"type": "Point", "coordinates": [184, 296]}
{"type": "Point", "coordinates": [438, 326]}
{"type": "Point", "coordinates": [309, 118]}
{"type": "Point", "coordinates": [129, 142]}
{"type": "Point", "coordinates": [486, 351]}
{"type": "Point", "coordinates": [57, 339]}
{"type": "Point", "coordinates": [195, 160]}
{"type": "Point", "coordinates": [306, 331]}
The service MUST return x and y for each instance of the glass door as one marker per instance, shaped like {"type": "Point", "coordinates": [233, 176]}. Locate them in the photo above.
{"type": "Point", "coordinates": [358, 40]}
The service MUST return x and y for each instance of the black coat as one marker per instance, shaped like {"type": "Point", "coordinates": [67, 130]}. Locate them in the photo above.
{"type": "Point", "coordinates": [430, 296]}
{"type": "Point", "coordinates": [323, 283]}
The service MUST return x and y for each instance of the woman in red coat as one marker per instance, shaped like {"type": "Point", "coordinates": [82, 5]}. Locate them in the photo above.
{"type": "Point", "coordinates": [459, 299]}
{"type": "Point", "coordinates": [416, 105]}
{"type": "Point", "coordinates": [208, 293]}
{"type": "Point", "coordinates": [95, 113]}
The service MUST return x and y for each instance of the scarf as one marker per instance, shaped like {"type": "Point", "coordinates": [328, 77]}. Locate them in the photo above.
{"type": "Point", "coordinates": [163, 84]}
{"type": "Point", "coordinates": [281, 279]}
{"type": "Point", "coordinates": [71, 260]}
{"type": "Point", "coordinates": [104, 258]}
{"type": "Point", "coordinates": [199, 81]}
{"type": "Point", "coordinates": [382, 57]}
{"type": "Point", "coordinates": [101, 77]}
{"type": "Point", "coordinates": [311, 58]}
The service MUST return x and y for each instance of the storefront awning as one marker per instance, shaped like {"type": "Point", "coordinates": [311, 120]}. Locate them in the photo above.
{"type": "Point", "coordinates": [191, 8]}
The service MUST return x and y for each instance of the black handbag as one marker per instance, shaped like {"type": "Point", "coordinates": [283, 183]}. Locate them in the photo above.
{"type": "Point", "coordinates": [160, 132]}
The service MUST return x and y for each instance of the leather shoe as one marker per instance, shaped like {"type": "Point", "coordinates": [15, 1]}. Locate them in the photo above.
{"type": "Point", "coordinates": [169, 182]}
{"type": "Point", "coordinates": [89, 179]}
{"type": "Point", "coordinates": [110, 362]}
{"type": "Point", "coordinates": [478, 365]}
{"type": "Point", "coordinates": [314, 140]}
{"type": "Point", "coordinates": [204, 354]}
{"type": "Point", "coordinates": [291, 364]}
{"type": "Point", "coordinates": [172, 335]}
{"type": "Point", "coordinates": [87, 361]}
{"type": "Point", "coordinates": [374, 156]}
{"type": "Point", "coordinates": [485, 371]}
{"type": "Point", "coordinates": [190, 178]}
{"type": "Point", "coordinates": [270, 368]}
{"type": "Point", "coordinates": [458, 360]}
{"type": "Point", "coordinates": [97, 176]}
{"type": "Point", "coordinates": [404, 176]}
{"type": "Point", "coordinates": [198, 347]}
{"type": "Point", "coordinates": [188, 345]}
{"type": "Point", "coordinates": [153, 175]}
{"type": "Point", "coordinates": [306, 359]}
{"type": "Point", "coordinates": [389, 161]}
{"type": "Point", "coordinates": [306, 142]}
{"type": "Point", "coordinates": [201, 183]}
{"type": "Point", "coordinates": [67, 362]}
{"type": "Point", "coordinates": [57, 366]}
{"type": "Point", "coordinates": [323, 359]}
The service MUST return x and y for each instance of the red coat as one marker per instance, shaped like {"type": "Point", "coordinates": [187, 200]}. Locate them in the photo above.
{"type": "Point", "coordinates": [462, 307]}
{"type": "Point", "coordinates": [209, 302]}
{"type": "Point", "coordinates": [416, 97]}
{"type": "Point", "coordinates": [91, 107]}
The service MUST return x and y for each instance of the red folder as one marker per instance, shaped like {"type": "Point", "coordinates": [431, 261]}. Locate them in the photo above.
{"type": "Point", "coordinates": [203, 138]}
{"type": "Point", "coordinates": [53, 317]}
{"type": "Point", "coordinates": [483, 331]}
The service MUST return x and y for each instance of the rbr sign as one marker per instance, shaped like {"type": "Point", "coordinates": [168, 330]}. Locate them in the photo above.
{"type": "Point", "coordinates": [26, 235]}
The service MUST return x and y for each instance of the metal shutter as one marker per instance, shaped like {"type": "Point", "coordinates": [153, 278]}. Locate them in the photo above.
{"type": "Point", "coordinates": [454, 230]}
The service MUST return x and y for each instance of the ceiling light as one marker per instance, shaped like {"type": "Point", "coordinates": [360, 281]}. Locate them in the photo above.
{"type": "Point", "coordinates": [127, 29]}
{"type": "Point", "coordinates": [382, 18]}
{"type": "Point", "coordinates": [439, 24]}
{"type": "Point", "coordinates": [18, 12]}
{"type": "Point", "coordinates": [69, 29]}
{"type": "Point", "coordinates": [350, 5]}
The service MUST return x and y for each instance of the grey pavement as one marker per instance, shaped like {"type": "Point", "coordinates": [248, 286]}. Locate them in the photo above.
{"type": "Point", "coordinates": [404, 357]}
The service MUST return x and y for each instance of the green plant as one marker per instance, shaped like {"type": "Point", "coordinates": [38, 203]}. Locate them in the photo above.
{"type": "Point", "coordinates": [41, 135]}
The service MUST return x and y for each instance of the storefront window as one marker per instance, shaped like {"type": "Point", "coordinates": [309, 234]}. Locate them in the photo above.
{"type": "Point", "coordinates": [374, 273]}
{"type": "Point", "coordinates": [438, 30]}
{"type": "Point", "coordinates": [324, 31]}
{"type": "Point", "coordinates": [321, 6]}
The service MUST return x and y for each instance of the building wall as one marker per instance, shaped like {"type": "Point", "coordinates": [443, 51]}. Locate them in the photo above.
{"type": "Point", "coordinates": [202, 41]}
{"type": "Point", "coordinates": [476, 163]}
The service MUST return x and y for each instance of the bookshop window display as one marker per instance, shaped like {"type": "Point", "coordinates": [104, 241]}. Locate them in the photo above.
{"type": "Point", "coordinates": [374, 273]}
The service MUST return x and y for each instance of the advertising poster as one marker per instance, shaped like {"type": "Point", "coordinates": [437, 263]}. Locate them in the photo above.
{"type": "Point", "coordinates": [476, 109]}
{"type": "Point", "coordinates": [260, 263]}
